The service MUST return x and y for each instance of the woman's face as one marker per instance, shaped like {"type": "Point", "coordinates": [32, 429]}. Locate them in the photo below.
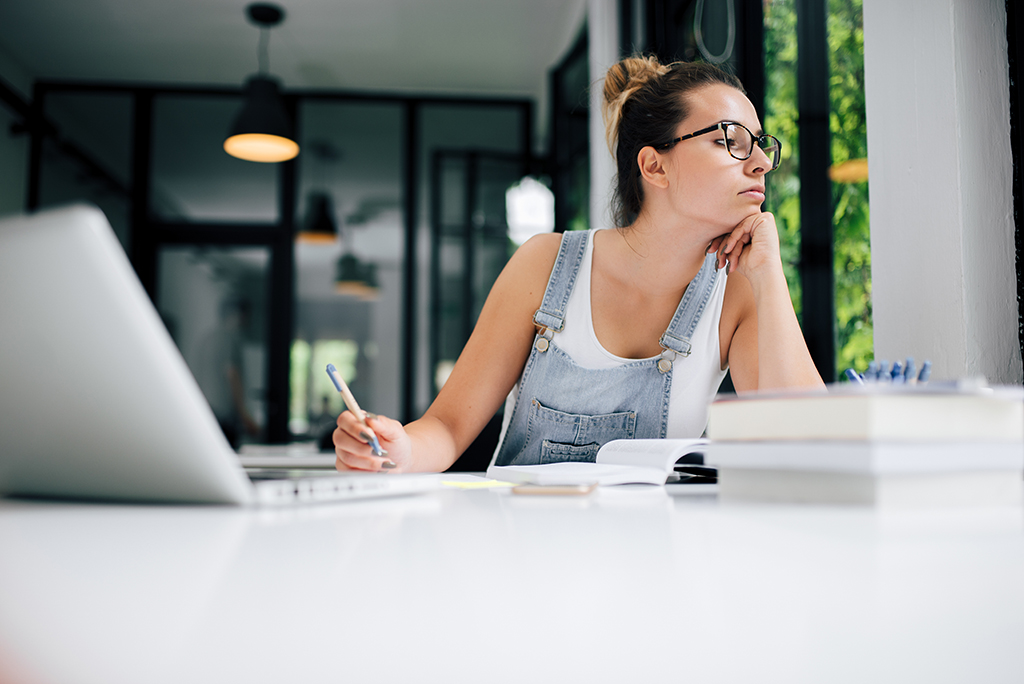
{"type": "Point", "coordinates": [707, 184]}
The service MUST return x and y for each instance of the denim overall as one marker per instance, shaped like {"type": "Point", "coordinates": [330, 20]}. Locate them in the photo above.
{"type": "Point", "coordinates": [564, 412]}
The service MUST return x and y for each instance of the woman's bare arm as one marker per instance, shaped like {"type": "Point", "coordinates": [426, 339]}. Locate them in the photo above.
{"type": "Point", "coordinates": [767, 349]}
{"type": "Point", "coordinates": [485, 372]}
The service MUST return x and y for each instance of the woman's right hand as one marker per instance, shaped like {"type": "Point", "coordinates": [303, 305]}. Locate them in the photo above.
{"type": "Point", "coordinates": [351, 444]}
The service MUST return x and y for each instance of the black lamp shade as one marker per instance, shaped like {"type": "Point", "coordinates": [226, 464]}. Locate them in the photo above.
{"type": "Point", "coordinates": [320, 226]}
{"type": "Point", "coordinates": [262, 132]}
{"type": "Point", "coordinates": [356, 278]}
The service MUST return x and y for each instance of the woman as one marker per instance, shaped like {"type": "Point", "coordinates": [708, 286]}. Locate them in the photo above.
{"type": "Point", "coordinates": [626, 333]}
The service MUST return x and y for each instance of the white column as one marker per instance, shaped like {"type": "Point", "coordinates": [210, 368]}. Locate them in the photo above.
{"type": "Point", "coordinates": [603, 49]}
{"type": "Point", "coordinates": [943, 277]}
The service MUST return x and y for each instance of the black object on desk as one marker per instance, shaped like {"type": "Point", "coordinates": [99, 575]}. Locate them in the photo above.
{"type": "Point", "coordinates": [690, 469]}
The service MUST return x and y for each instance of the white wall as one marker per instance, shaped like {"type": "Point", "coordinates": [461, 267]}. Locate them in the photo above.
{"type": "Point", "coordinates": [603, 52]}
{"type": "Point", "coordinates": [940, 169]}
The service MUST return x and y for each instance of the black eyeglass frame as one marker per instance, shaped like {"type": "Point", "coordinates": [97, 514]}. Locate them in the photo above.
{"type": "Point", "coordinates": [776, 158]}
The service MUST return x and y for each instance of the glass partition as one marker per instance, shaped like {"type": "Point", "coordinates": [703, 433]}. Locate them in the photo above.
{"type": "Point", "coordinates": [213, 301]}
{"type": "Point", "coordinates": [349, 282]}
{"type": "Point", "coordinates": [469, 156]}
{"type": "Point", "coordinates": [91, 159]}
{"type": "Point", "coordinates": [193, 178]}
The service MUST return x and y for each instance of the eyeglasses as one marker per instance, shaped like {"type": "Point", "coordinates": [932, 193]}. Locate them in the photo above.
{"type": "Point", "coordinates": [739, 141]}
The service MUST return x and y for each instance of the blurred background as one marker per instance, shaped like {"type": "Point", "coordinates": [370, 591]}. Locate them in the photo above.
{"type": "Point", "coordinates": [434, 137]}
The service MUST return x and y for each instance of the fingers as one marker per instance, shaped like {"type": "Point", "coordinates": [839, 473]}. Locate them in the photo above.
{"type": "Point", "coordinates": [387, 429]}
{"type": "Point", "coordinates": [352, 446]}
{"type": "Point", "coordinates": [734, 244]}
{"type": "Point", "coordinates": [715, 244]}
{"type": "Point", "coordinates": [732, 247]}
{"type": "Point", "coordinates": [354, 454]}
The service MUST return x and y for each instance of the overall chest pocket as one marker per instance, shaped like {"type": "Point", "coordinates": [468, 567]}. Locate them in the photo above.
{"type": "Point", "coordinates": [556, 436]}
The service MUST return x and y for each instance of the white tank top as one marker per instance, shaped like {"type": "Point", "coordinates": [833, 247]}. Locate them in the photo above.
{"type": "Point", "coordinates": [695, 378]}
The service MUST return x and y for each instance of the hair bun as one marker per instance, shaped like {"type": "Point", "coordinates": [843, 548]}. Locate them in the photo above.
{"type": "Point", "coordinates": [622, 80]}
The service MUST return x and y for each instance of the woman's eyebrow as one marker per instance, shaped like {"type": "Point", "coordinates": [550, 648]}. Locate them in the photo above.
{"type": "Point", "coordinates": [759, 132]}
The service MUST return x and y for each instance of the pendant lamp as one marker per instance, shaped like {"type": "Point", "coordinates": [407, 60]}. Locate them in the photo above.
{"type": "Point", "coordinates": [320, 225]}
{"type": "Point", "coordinates": [262, 132]}
{"type": "Point", "coordinates": [356, 278]}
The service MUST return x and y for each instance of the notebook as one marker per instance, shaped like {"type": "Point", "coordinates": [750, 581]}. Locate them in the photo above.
{"type": "Point", "coordinates": [96, 402]}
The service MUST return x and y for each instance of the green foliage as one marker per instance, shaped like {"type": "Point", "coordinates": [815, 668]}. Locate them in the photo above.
{"type": "Point", "coordinates": [781, 117]}
{"type": "Point", "coordinates": [851, 236]}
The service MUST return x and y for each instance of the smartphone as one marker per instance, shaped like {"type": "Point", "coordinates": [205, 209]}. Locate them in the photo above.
{"type": "Point", "coordinates": [562, 490]}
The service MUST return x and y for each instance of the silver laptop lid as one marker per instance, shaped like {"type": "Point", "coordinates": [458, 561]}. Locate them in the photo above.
{"type": "Point", "coordinates": [95, 399]}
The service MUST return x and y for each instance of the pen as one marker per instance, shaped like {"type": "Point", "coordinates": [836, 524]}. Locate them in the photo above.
{"type": "Point", "coordinates": [897, 371]}
{"type": "Point", "coordinates": [883, 371]}
{"type": "Point", "coordinates": [926, 371]}
{"type": "Point", "coordinates": [910, 372]}
{"type": "Point", "coordinates": [872, 372]}
{"type": "Point", "coordinates": [853, 376]}
{"type": "Point", "coordinates": [353, 406]}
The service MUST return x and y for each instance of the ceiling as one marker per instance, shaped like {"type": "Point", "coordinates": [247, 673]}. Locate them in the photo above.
{"type": "Point", "coordinates": [460, 47]}
{"type": "Point", "coordinates": [488, 47]}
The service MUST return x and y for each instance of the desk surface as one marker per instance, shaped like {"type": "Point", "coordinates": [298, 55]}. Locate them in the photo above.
{"type": "Point", "coordinates": [628, 584]}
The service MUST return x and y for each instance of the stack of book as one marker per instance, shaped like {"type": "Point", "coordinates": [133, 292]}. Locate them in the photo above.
{"type": "Point", "coordinates": [872, 444]}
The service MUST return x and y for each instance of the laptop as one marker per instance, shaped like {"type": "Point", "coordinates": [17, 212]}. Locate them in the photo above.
{"type": "Point", "coordinates": [96, 401]}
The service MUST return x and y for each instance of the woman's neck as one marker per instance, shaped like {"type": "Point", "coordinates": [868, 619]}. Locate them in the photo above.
{"type": "Point", "coordinates": [659, 256]}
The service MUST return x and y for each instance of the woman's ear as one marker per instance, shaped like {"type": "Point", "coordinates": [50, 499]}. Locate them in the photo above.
{"type": "Point", "coordinates": [651, 168]}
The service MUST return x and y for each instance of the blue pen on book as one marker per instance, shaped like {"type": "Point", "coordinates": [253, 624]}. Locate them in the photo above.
{"type": "Point", "coordinates": [350, 402]}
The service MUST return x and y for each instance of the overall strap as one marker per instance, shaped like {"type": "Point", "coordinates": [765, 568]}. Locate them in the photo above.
{"type": "Point", "coordinates": [551, 314]}
{"type": "Point", "coordinates": [676, 339]}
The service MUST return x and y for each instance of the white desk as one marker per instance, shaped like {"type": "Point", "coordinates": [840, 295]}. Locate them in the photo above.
{"type": "Point", "coordinates": [627, 585]}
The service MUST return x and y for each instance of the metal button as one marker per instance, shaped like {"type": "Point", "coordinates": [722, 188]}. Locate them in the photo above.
{"type": "Point", "coordinates": [542, 344]}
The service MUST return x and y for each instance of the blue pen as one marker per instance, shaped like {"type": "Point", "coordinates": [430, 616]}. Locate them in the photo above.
{"type": "Point", "coordinates": [926, 371]}
{"type": "Point", "coordinates": [897, 370]}
{"type": "Point", "coordinates": [853, 376]}
{"type": "Point", "coordinates": [910, 371]}
{"type": "Point", "coordinates": [350, 402]}
{"type": "Point", "coordinates": [883, 371]}
{"type": "Point", "coordinates": [872, 372]}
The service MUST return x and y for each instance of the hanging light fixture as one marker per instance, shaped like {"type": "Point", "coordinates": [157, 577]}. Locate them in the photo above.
{"type": "Point", "coordinates": [262, 132]}
{"type": "Point", "coordinates": [356, 278]}
{"type": "Point", "coordinates": [320, 225]}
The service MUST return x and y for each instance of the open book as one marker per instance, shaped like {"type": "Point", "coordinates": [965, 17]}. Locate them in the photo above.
{"type": "Point", "coordinates": [621, 461]}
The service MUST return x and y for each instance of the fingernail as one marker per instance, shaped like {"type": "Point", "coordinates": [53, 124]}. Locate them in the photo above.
{"type": "Point", "coordinates": [365, 436]}
{"type": "Point", "coordinates": [370, 415]}
{"type": "Point", "coordinates": [388, 465]}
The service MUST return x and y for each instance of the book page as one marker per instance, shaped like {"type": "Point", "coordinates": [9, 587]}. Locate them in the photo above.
{"type": "Point", "coordinates": [650, 453]}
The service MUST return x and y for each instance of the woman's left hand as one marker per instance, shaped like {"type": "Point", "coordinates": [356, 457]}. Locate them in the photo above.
{"type": "Point", "coordinates": [750, 247]}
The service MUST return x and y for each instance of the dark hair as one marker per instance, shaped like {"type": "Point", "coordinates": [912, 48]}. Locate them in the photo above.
{"type": "Point", "coordinates": [643, 103]}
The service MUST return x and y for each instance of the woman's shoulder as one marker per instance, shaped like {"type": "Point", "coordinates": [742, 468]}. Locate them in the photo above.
{"type": "Point", "coordinates": [536, 257]}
